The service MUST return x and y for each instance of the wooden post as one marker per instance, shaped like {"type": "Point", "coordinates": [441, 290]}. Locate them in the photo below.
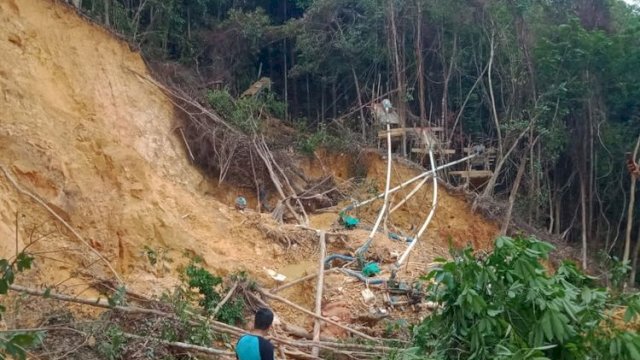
{"type": "Point", "coordinates": [319, 286]}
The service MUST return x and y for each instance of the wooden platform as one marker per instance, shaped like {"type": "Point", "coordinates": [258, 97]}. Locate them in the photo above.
{"type": "Point", "coordinates": [472, 174]}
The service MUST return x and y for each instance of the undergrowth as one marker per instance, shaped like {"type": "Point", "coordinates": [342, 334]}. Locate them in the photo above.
{"type": "Point", "coordinates": [506, 306]}
{"type": "Point", "coordinates": [15, 343]}
{"type": "Point", "coordinates": [208, 285]}
{"type": "Point", "coordinates": [246, 113]}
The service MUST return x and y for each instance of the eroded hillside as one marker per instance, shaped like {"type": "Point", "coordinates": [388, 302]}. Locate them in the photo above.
{"type": "Point", "coordinates": [95, 142]}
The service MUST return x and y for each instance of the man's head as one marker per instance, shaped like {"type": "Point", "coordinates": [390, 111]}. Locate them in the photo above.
{"type": "Point", "coordinates": [264, 318]}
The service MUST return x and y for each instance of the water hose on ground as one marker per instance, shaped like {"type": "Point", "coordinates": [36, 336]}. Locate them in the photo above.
{"type": "Point", "coordinates": [361, 277]}
{"type": "Point", "coordinates": [329, 259]}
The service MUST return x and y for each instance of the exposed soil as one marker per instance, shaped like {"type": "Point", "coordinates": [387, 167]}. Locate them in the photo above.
{"type": "Point", "coordinates": [98, 145]}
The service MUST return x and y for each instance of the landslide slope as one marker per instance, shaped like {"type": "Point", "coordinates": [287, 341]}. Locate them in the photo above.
{"type": "Point", "coordinates": [95, 142]}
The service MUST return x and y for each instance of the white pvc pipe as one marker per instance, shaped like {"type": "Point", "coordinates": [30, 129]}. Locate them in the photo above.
{"type": "Point", "coordinates": [409, 195]}
{"type": "Point", "coordinates": [364, 247]}
{"type": "Point", "coordinates": [434, 204]}
{"type": "Point", "coordinates": [425, 174]}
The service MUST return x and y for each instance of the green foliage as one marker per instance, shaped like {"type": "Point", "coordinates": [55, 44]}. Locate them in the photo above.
{"type": "Point", "coordinates": [202, 280]}
{"type": "Point", "coordinates": [246, 113]}
{"type": "Point", "coordinates": [505, 305]}
{"type": "Point", "coordinates": [321, 138]}
{"type": "Point", "coordinates": [231, 312]}
{"type": "Point", "coordinates": [14, 344]}
{"type": "Point", "coordinates": [112, 344]}
{"type": "Point", "coordinates": [616, 270]}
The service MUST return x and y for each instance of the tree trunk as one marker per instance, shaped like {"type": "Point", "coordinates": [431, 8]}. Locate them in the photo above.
{"type": "Point", "coordinates": [420, 70]}
{"type": "Point", "coordinates": [308, 99]}
{"type": "Point", "coordinates": [634, 265]}
{"type": "Point", "coordinates": [398, 72]}
{"type": "Point", "coordinates": [106, 13]}
{"type": "Point", "coordinates": [284, 66]}
{"type": "Point", "coordinates": [632, 199]}
{"type": "Point", "coordinates": [493, 101]}
{"type": "Point", "coordinates": [334, 95]}
{"type": "Point", "coordinates": [363, 123]}
{"type": "Point", "coordinates": [513, 195]}
{"type": "Point", "coordinates": [583, 206]}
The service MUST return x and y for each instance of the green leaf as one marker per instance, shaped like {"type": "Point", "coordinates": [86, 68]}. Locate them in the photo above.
{"type": "Point", "coordinates": [25, 340]}
{"type": "Point", "coordinates": [4, 286]}
{"type": "Point", "coordinates": [47, 293]}
{"type": "Point", "coordinates": [24, 261]}
{"type": "Point", "coordinates": [9, 276]}
{"type": "Point", "coordinates": [545, 322]}
{"type": "Point", "coordinates": [635, 355]}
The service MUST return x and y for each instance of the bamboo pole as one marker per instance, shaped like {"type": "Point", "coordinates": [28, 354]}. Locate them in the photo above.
{"type": "Point", "coordinates": [311, 313]}
{"type": "Point", "coordinates": [224, 300]}
{"type": "Point", "coordinates": [185, 346]}
{"type": "Point", "coordinates": [297, 281]}
{"type": "Point", "coordinates": [319, 287]}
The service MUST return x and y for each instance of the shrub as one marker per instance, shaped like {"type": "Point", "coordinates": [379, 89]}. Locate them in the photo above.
{"type": "Point", "coordinates": [505, 305]}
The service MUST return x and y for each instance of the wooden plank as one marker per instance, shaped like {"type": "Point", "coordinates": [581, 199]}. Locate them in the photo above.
{"type": "Point", "coordinates": [486, 151]}
{"type": "Point", "coordinates": [433, 129]}
{"type": "Point", "coordinates": [397, 132]}
{"type": "Point", "coordinates": [473, 174]}
{"type": "Point", "coordinates": [409, 131]}
{"type": "Point", "coordinates": [425, 151]}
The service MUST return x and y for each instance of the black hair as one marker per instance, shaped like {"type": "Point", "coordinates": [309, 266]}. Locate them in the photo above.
{"type": "Point", "coordinates": [264, 318]}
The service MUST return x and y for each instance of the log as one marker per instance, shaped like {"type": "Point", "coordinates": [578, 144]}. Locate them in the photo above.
{"type": "Point", "coordinates": [216, 325]}
{"type": "Point", "coordinates": [224, 300]}
{"type": "Point", "coordinates": [297, 281]}
{"type": "Point", "coordinates": [184, 346]}
{"type": "Point", "coordinates": [319, 287]}
{"type": "Point", "coordinates": [301, 309]}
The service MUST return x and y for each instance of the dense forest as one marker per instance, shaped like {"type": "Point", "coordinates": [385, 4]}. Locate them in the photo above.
{"type": "Point", "coordinates": [551, 84]}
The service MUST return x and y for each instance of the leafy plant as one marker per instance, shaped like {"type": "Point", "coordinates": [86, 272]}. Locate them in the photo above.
{"type": "Point", "coordinates": [505, 305]}
{"type": "Point", "coordinates": [199, 278]}
{"type": "Point", "coordinates": [15, 344]}
{"type": "Point", "coordinates": [246, 113]}
{"type": "Point", "coordinates": [112, 346]}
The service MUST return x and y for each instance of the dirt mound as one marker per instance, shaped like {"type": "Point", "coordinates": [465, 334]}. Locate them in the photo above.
{"type": "Point", "coordinates": [83, 132]}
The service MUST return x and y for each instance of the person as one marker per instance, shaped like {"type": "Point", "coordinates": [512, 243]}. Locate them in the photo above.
{"type": "Point", "coordinates": [241, 203]}
{"type": "Point", "coordinates": [255, 346]}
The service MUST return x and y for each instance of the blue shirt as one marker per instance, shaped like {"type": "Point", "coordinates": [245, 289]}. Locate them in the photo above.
{"type": "Point", "coordinates": [252, 347]}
